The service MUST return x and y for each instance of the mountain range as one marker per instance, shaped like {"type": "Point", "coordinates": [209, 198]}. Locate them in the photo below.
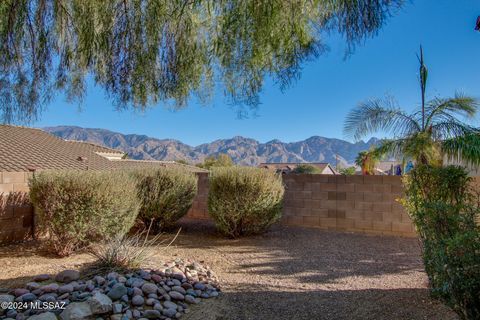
{"type": "Point", "coordinates": [244, 151]}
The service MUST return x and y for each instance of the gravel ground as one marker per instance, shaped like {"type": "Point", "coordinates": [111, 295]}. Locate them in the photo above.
{"type": "Point", "coordinates": [288, 273]}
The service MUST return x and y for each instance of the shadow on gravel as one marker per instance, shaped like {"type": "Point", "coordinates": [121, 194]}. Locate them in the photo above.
{"type": "Point", "coordinates": [318, 305]}
{"type": "Point", "coordinates": [310, 255]}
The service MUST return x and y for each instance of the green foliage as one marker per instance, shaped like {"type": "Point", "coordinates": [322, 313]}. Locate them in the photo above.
{"type": "Point", "coordinates": [165, 195]}
{"type": "Point", "coordinates": [76, 208]}
{"type": "Point", "coordinates": [222, 160]}
{"type": "Point", "coordinates": [125, 252]}
{"type": "Point", "coordinates": [349, 171]}
{"type": "Point", "coordinates": [307, 168]}
{"type": "Point", "coordinates": [367, 160]}
{"type": "Point", "coordinates": [443, 207]}
{"type": "Point", "coordinates": [145, 52]}
{"type": "Point", "coordinates": [244, 200]}
{"type": "Point", "coordinates": [425, 135]}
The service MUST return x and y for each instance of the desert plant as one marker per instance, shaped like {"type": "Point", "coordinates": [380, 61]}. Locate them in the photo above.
{"type": "Point", "coordinates": [243, 200]}
{"type": "Point", "coordinates": [128, 252]}
{"type": "Point", "coordinates": [426, 135]}
{"type": "Point", "coordinates": [165, 194]}
{"type": "Point", "coordinates": [76, 208]}
{"type": "Point", "coordinates": [307, 168]}
{"type": "Point", "coordinates": [443, 207]}
{"type": "Point", "coordinates": [367, 160]}
{"type": "Point", "coordinates": [221, 160]}
{"type": "Point", "coordinates": [349, 171]}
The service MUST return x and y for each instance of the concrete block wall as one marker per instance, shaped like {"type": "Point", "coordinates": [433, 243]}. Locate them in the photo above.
{"type": "Point", "coordinates": [16, 212]}
{"type": "Point", "coordinates": [365, 204]}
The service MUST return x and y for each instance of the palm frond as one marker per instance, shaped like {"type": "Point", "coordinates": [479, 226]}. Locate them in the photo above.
{"type": "Point", "coordinates": [464, 149]}
{"type": "Point", "coordinates": [452, 128]}
{"type": "Point", "coordinates": [445, 109]}
{"type": "Point", "coordinates": [392, 148]}
{"type": "Point", "coordinates": [378, 115]}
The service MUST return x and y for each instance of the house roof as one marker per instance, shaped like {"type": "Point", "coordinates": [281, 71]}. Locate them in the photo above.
{"type": "Point", "coordinates": [26, 149]}
{"type": "Point", "coordinates": [288, 166]}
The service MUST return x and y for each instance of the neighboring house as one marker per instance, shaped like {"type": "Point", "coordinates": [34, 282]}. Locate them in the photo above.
{"type": "Point", "coordinates": [25, 149]}
{"type": "Point", "coordinates": [287, 167]}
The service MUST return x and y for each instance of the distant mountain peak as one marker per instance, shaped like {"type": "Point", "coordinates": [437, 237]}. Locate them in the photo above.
{"type": "Point", "coordinates": [243, 150]}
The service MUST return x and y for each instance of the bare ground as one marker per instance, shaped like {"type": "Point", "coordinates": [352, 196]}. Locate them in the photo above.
{"type": "Point", "coordinates": [288, 273]}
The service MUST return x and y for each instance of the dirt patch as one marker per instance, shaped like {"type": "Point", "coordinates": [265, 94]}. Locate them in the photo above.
{"type": "Point", "coordinates": [288, 273]}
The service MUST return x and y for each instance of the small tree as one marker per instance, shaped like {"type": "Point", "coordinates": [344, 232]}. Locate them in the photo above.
{"type": "Point", "coordinates": [367, 160]}
{"type": "Point", "coordinates": [349, 171]}
{"type": "Point", "coordinates": [222, 160]}
{"type": "Point", "coordinates": [307, 168]}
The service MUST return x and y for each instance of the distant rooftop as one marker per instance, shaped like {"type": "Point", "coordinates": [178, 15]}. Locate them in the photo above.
{"type": "Point", "coordinates": [26, 149]}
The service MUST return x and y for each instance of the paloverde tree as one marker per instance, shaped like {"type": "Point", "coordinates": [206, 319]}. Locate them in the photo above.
{"type": "Point", "coordinates": [427, 135]}
{"type": "Point", "coordinates": [145, 52]}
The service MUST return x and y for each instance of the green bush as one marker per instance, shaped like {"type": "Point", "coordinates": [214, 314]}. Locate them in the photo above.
{"type": "Point", "coordinates": [76, 208]}
{"type": "Point", "coordinates": [165, 195]}
{"type": "Point", "coordinates": [307, 168]}
{"type": "Point", "coordinates": [244, 200]}
{"type": "Point", "coordinates": [443, 208]}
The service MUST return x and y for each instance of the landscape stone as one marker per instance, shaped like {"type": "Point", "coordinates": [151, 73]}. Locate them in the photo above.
{"type": "Point", "coordinates": [179, 289]}
{"type": "Point", "coordinates": [67, 276]}
{"type": "Point", "coordinates": [100, 303]}
{"type": "Point", "coordinates": [41, 277]}
{"type": "Point", "coordinates": [20, 292]}
{"type": "Point", "coordinates": [117, 291]}
{"type": "Point", "coordinates": [44, 316]}
{"type": "Point", "coordinates": [149, 288]}
{"type": "Point", "coordinates": [68, 288]}
{"type": "Point", "coordinates": [77, 311]}
{"type": "Point", "coordinates": [190, 299]}
{"type": "Point", "coordinates": [152, 314]}
{"type": "Point", "coordinates": [117, 308]}
{"type": "Point", "coordinates": [176, 295]}
{"type": "Point", "coordinates": [138, 301]}
{"type": "Point", "coordinates": [52, 287]}
{"type": "Point", "coordinates": [170, 305]}
{"type": "Point", "coordinates": [169, 312]}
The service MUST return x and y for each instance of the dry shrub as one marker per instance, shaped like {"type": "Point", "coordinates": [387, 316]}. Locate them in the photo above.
{"type": "Point", "coordinates": [244, 200]}
{"type": "Point", "coordinates": [165, 194]}
{"type": "Point", "coordinates": [77, 208]}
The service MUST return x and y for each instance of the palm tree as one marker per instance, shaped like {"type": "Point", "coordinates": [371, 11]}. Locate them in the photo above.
{"type": "Point", "coordinates": [428, 134]}
{"type": "Point", "coordinates": [367, 161]}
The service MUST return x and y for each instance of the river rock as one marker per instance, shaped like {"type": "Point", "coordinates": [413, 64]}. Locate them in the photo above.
{"type": "Point", "coordinates": [67, 276]}
{"type": "Point", "coordinates": [77, 311]}
{"type": "Point", "coordinates": [44, 316]}
{"type": "Point", "coordinates": [176, 295]}
{"type": "Point", "coordinates": [149, 288]}
{"type": "Point", "coordinates": [100, 303]}
{"type": "Point", "coordinates": [117, 291]}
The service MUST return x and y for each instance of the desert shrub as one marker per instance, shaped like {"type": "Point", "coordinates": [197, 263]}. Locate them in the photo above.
{"type": "Point", "coordinates": [244, 200]}
{"type": "Point", "coordinates": [443, 208]}
{"type": "Point", "coordinates": [307, 168]}
{"type": "Point", "coordinates": [128, 252]}
{"type": "Point", "coordinates": [76, 208]}
{"type": "Point", "coordinates": [165, 194]}
{"type": "Point", "coordinates": [349, 171]}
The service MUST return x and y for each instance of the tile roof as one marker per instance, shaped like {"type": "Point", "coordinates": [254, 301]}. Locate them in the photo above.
{"type": "Point", "coordinates": [23, 149]}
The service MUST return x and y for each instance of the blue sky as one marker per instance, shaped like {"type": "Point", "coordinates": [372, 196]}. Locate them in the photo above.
{"type": "Point", "coordinates": [328, 88]}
